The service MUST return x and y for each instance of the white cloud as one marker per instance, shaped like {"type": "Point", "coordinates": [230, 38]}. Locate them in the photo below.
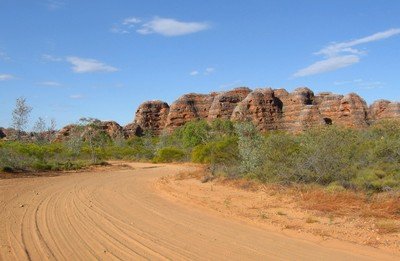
{"type": "Point", "coordinates": [50, 84]}
{"type": "Point", "coordinates": [76, 96]}
{"type": "Point", "coordinates": [51, 58]}
{"type": "Point", "coordinates": [340, 55]}
{"type": "Point", "coordinates": [4, 56]}
{"type": "Point", "coordinates": [230, 84]}
{"type": "Point", "coordinates": [6, 77]}
{"type": "Point", "coordinates": [193, 73]}
{"type": "Point", "coordinates": [118, 30]}
{"type": "Point", "coordinates": [83, 65]}
{"type": "Point", "coordinates": [209, 70]}
{"type": "Point", "coordinates": [171, 27]}
{"type": "Point", "coordinates": [54, 4]}
{"type": "Point", "coordinates": [347, 82]}
{"type": "Point", "coordinates": [361, 84]}
{"type": "Point", "coordinates": [337, 48]}
{"type": "Point", "coordinates": [158, 25]}
{"type": "Point", "coordinates": [131, 21]}
{"type": "Point", "coordinates": [327, 65]}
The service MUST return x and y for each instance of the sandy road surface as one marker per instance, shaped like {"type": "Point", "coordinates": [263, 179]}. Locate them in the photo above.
{"type": "Point", "coordinates": [119, 215]}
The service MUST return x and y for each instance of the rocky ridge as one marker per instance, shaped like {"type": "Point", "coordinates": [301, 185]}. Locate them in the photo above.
{"type": "Point", "coordinates": [267, 108]}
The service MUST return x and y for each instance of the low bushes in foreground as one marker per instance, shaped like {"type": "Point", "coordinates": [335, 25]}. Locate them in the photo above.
{"type": "Point", "coordinates": [338, 158]}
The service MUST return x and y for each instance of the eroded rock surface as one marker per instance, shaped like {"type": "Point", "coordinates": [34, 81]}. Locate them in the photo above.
{"type": "Point", "coordinates": [267, 108]}
{"type": "Point", "coordinates": [225, 103]}
{"type": "Point", "coordinates": [189, 107]}
{"type": "Point", "coordinates": [152, 116]}
{"type": "Point", "coordinates": [384, 109]}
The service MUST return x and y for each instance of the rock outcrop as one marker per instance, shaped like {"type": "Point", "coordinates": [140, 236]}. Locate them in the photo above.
{"type": "Point", "coordinates": [384, 109]}
{"type": "Point", "coordinates": [110, 128]}
{"type": "Point", "coordinates": [268, 109]}
{"type": "Point", "coordinates": [151, 116]}
{"type": "Point", "coordinates": [225, 103]}
{"type": "Point", "coordinates": [133, 130]}
{"type": "Point", "coordinates": [262, 108]}
{"type": "Point", "coordinates": [189, 107]}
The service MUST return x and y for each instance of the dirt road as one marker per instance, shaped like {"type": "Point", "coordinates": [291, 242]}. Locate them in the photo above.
{"type": "Point", "coordinates": [111, 215]}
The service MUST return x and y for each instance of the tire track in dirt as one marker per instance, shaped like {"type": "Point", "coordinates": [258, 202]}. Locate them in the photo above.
{"type": "Point", "coordinates": [114, 215]}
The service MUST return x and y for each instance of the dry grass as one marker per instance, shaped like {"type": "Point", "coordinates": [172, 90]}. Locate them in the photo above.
{"type": "Point", "coordinates": [349, 203]}
{"type": "Point", "coordinates": [337, 203]}
{"type": "Point", "coordinates": [387, 227]}
{"type": "Point", "coordinates": [244, 184]}
{"type": "Point", "coordinates": [198, 174]}
{"type": "Point", "coordinates": [311, 220]}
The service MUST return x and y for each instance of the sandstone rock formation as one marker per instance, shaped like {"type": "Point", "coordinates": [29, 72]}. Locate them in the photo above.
{"type": "Point", "coordinates": [132, 130]}
{"type": "Point", "coordinates": [268, 109]}
{"type": "Point", "coordinates": [224, 103]}
{"type": "Point", "coordinates": [152, 116]}
{"type": "Point", "coordinates": [384, 109]}
{"type": "Point", "coordinates": [111, 128]}
{"type": "Point", "coordinates": [189, 107]}
{"type": "Point", "coordinates": [262, 108]}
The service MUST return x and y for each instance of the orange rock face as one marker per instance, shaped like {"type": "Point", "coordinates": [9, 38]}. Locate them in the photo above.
{"type": "Point", "coordinates": [224, 103]}
{"type": "Point", "coordinates": [384, 109]}
{"type": "Point", "coordinates": [268, 109]}
{"type": "Point", "coordinates": [262, 108]}
{"type": "Point", "coordinates": [189, 107]}
{"type": "Point", "coordinates": [152, 116]}
{"type": "Point", "coordinates": [111, 128]}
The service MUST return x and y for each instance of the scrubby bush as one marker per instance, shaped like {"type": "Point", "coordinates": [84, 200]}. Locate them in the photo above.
{"type": "Point", "coordinates": [250, 148]}
{"type": "Point", "coordinates": [169, 154]}
{"type": "Point", "coordinates": [339, 158]}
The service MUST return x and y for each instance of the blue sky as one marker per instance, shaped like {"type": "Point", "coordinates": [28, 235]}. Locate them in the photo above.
{"type": "Point", "coordinates": [76, 58]}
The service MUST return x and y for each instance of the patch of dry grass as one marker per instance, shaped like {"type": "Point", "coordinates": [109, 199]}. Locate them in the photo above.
{"type": "Point", "coordinates": [387, 227]}
{"type": "Point", "coordinates": [333, 203]}
{"type": "Point", "coordinates": [349, 203]}
{"type": "Point", "coordinates": [198, 174]}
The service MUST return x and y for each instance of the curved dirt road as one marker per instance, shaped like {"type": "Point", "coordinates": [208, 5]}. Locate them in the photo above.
{"type": "Point", "coordinates": [118, 215]}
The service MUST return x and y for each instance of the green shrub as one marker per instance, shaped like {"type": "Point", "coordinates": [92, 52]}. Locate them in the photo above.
{"type": "Point", "coordinates": [224, 151]}
{"type": "Point", "coordinates": [169, 154]}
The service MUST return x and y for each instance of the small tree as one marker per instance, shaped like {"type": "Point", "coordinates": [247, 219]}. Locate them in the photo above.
{"type": "Point", "coordinates": [94, 135]}
{"type": "Point", "coordinates": [20, 116]}
{"type": "Point", "coordinates": [250, 148]}
{"type": "Point", "coordinates": [39, 129]}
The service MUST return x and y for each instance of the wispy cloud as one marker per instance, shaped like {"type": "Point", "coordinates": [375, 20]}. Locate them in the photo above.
{"type": "Point", "coordinates": [329, 64]}
{"type": "Point", "coordinates": [361, 84]}
{"type": "Point", "coordinates": [346, 47]}
{"type": "Point", "coordinates": [51, 58]}
{"type": "Point", "coordinates": [131, 21]}
{"type": "Point", "coordinates": [171, 27]}
{"type": "Point", "coordinates": [54, 4]}
{"type": "Point", "coordinates": [50, 84]}
{"type": "Point", "coordinates": [4, 56]}
{"type": "Point", "coordinates": [159, 25]}
{"type": "Point", "coordinates": [344, 54]}
{"type": "Point", "coordinates": [76, 96]}
{"type": "Point", "coordinates": [209, 70]}
{"type": "Point", "coordinates": [230, 84]}
{"type": "Point", "coordinates": [6, 77]}
{"type": "Point", "coordinates": [84, 65]}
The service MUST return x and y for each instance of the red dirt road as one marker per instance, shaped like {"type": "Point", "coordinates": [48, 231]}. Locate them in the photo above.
{"type": "Point", "coordinates": [110, 215]}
